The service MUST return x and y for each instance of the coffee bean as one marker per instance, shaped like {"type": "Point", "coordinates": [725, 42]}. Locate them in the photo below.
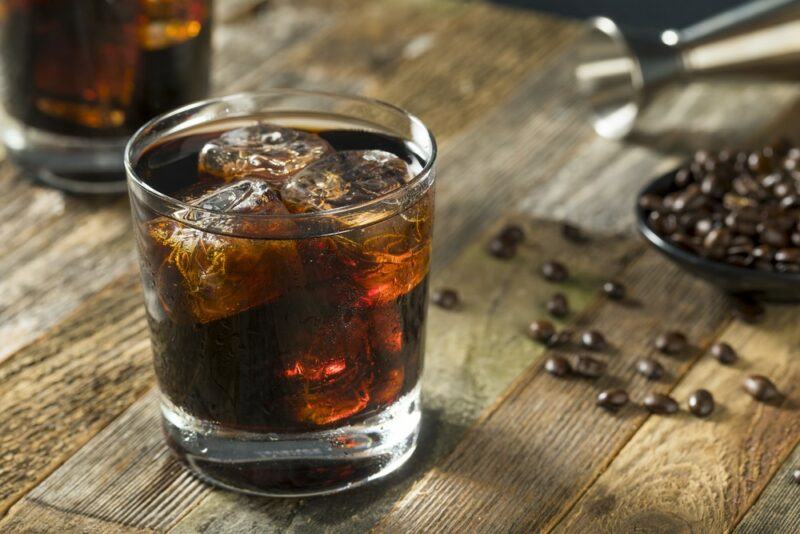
{"type": "Point", "coordinates": [612, 399]}
{"type": "Point", "coordinates": [765, 252]}
{"type": "Point", "coordinates": [796, 476]}
{"type": "Point", "coordinates": [788, 255]}
{"type": "Point", "coordinates": [770, 234]}
{"type": "Point", "coordinates": [660, 404]}
{"type": "Point", "coordinates": [701, 403]}
{"type": "Point", "coordinates": [783, 190]}
{"type": "Point", "coordinates": [557, 366]}
{"type": "Point", "coordinates": [575, 234]}
{"type": "Point", "coordinates": [614, 290]}
{"type": "Point", "coordinates": [560, 338]}
{"type": "Point", "coordinates": [748, 309]}
{"type": "Point", "coordinates": [671, 342]}
{"type": "Point", "coordinates": [649, 368]}
{"type": "Point", "coordinates": [683, 178]}
{"type": "Point", "coordinates": [558, 306]}
{"type": "Point", "coordinates": [446, 298]}
{"type": "Point", "coordinates": [588, 366]}
{"type": "Point", "coordinates": [501, 249]}
{"type": "Point", "coordinates": [703, 226]}
{"type": "Point", "coordinates": [761, 388]}
{"type": "Point", "coordinates": [724, 353]}
{"type": "Point", "coordinates": [541, 330]}
{"type": "Point", "coordinates": [759, 163]}
{"type": "Point", "coordinates": [718, 237]}
{"type": "Point", "coordinates": [650, 202]}
{"type": "Point", "coordinates": [740, 261]}
{"type": "Point", "coordinates": [512, 234]}
{"type": "Point", "coordinates": [714, 186]}
{"type": "Point", "coordinates": [790, 202]}
{"type": "Point", "coordinates": [593, 340]}
{"type": "Point", "coordinates": [554, 271]}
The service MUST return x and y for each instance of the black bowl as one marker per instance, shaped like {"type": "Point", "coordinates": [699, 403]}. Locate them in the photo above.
{"type": "Point", "coordinates": [763, 285]}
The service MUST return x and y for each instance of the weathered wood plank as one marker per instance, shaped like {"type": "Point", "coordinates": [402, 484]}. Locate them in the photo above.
{"type": "Point", "coordinates": [473, 354]}
{"type": "Point", "coordinates": [683, 474]}
{"type": "Point", "coordinates": [534, 454]}
{"type": "Point", "coordinates": [59, 391]}
{"type": "Point", "coordinates": [778, 507]}
{"type": "Point", "coordinates": [113, 484]}
{"type": "Point", "coordinates": [56, 251]}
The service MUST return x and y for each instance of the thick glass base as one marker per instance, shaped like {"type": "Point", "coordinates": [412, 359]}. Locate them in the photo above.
{"type": "Point", "coordinates": [75, 164]}
{"type": "Point", "coordinates": [296, 465]}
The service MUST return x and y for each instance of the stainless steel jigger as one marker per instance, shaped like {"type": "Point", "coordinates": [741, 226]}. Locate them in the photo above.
{"type": "Point", "coordinates": [620, 71]}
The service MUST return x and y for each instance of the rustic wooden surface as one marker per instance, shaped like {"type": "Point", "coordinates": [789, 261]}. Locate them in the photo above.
{"type": "Point", "coordinates": [504, 447]}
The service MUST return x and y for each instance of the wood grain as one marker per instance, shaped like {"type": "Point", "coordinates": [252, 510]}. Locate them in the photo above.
{"type": "Point", "coordinates": [684, 474]}
{"type": "Point", "coordinates": [473, 354]}
{"type": "Point", "coordinates": [126, 479]}
{"type": "Point", "coordinates": [59, 391]}
{"type": "Point", "coordinates": [778, 507]}
{"type": "Point", "coordinates": [524, 464]}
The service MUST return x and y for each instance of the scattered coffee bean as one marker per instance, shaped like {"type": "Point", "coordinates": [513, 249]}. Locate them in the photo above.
{"type": "Point", "coordinates": [593, 340]}
{"type": "Point", "coordinates": [796, 476]}
{"type": "Point", "coordinates": [671, 342]}
{"type": "Point", "coordinates": [512, 235]}
{"type": "Point", "coordinates": [649, 368]}
{"type": "Point", "coordinates": [761, 388]}
{"type": "Point", "coordinates": [446, 298]}
{"type": "Point", "coordinates": [558, 306]}
{"type": "Point", "coordinates": [554, 271]}
{"type": "Point", "coordinates": [612, 399]}
{"type": "Point", "coordinates": [660, 404]}
{"type": "Point", "coordinates": [541, 330]}
{"type": "Point", "coordinates": [557, 366]}
{"type": "Point", "coordinates": [723, 352]}
{"type": "Point", "coordinates": [560, 338]}
{"type": "Point", "coordinates": [701, 403]}
{"type": "Point", "coordinates": [748, 309]}
{"type": "Point", "coordinates": [573, 233]}
{"type": "Point", "coordinates": [501, 249]}
{"type": "Point", "coordinates": [589, 366]}
{"type": "Point", "coordinates": [614, 290]}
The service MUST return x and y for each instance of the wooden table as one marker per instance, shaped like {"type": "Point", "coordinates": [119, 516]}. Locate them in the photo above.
{"type": "Point", "coordinates": [504, 447]}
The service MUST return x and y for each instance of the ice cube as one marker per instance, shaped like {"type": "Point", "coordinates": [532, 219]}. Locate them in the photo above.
{"type": "Point", "coordinates": [218, 275]}
{"type": "Point", "coordinates": [264, 151]}
{"type": "Point", "coordinates": [343, 179]}
{"type": "Point", "coordinates": [388, 259]}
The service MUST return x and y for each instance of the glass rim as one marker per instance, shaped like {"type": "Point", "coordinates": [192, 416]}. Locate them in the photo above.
{"type": "Point", "coordinates": [178, 205]}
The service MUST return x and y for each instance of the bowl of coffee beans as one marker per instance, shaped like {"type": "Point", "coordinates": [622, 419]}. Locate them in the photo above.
{"type": "Point", "coordinates": [731, 218]}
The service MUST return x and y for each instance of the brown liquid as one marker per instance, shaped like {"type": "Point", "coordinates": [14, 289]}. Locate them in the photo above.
{"type": "Point", "coordinates": [311, 333]}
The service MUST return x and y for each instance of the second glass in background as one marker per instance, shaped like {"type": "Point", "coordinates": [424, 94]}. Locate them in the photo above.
{"type": "Point", "coordinates": [80, 76]}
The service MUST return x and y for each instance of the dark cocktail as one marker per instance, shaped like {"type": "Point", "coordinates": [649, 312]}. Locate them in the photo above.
{"type": "Point", "coordinates": [80, 76]}
{"type": "Point", "coordinates": [285, 244]}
